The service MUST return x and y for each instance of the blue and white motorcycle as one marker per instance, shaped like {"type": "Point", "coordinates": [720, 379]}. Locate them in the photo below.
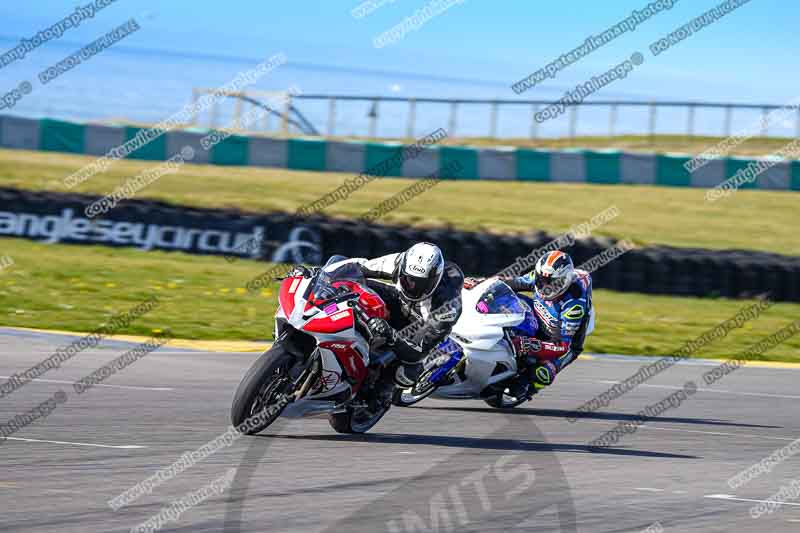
{"type": "Point", "coordinates": [477, 360]}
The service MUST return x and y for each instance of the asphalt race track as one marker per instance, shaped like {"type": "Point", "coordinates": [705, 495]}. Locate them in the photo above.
{"type": "Point", "coordinates": [443, 465]}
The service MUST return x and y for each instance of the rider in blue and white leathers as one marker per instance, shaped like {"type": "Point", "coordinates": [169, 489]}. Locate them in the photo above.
{"type": "Point", "coordinates": [552, 334]}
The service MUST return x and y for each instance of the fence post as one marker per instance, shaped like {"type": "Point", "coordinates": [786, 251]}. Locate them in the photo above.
{"type": "Point", "coordinates": [652, 125]}
{"type": "Point", "coordinates": [195, 99]}
{"type": "Point", "coordinates": [797, 134]}
{"type": "Point", "coordinates": [493, 120]}
{"type": "Point", "coordinates": [612, 120]}
{"type": "Point", "coordinates": [214, 112]}
{"type": "Point", "coordinates": [412, 117]}
{"type": "Point", "coordinates": [373, 118]}
{"type": "Point", "coordinates": [728, 120]}
{"type": "Point", "coordinates": [573, 121]}
{"type": "Point", "coordinates": [285, 117]}
{"type": "Point", "coordinates": [690, 120]}
{"type": "Point", "coordinates": [331, 116]}
{"type": "Point", "coordinates": [237, 117]}
{"type": "Point", "coordinates": [451, 125]}
{"type": "Point", "coordinates": [764, 122]}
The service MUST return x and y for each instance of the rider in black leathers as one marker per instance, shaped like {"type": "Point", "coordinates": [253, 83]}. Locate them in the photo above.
{"type": "Point", "coordinates": [424, 303]}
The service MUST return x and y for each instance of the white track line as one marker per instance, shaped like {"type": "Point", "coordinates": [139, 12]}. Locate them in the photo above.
{"type": "Point", "coordinates": [701, 389]}
{"type": "Point", "coordinates": [121, 447]}
{"type": "Point", "coordinates": [734, 498]}
{"type": "Point", "coordinates": [645, 426]}
{"type": "Point", "coordinates": [681, 430]}
{"type": "Point", "coordinates": [648, 489]}
{"type": "Point", "coordinates": [98, 385]}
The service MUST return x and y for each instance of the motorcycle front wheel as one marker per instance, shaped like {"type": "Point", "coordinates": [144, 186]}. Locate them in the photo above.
{"type": "Point", "coordinates": [421, 390]}
{"type": "Point", "coordinates": [264, 391]}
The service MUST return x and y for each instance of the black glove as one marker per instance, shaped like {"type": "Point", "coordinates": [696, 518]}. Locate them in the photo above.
{"type": "Point", "coordinates": [382, 332]}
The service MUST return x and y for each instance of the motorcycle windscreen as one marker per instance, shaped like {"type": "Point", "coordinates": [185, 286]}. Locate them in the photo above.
{"type": "Point", "coordinates": [485, 315]}
{"type": "Point", "coordinates": [325, 287]}
{"type": "Point", "coordinates": [499, 299]}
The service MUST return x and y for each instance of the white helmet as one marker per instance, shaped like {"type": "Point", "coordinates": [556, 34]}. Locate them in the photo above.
{"type": "Point", "coordinates": [420, 271]}
{"type": "Point", "coordinates": [553, 274]}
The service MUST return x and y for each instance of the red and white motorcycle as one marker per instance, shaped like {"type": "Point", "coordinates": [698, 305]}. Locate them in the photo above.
{"type": "Point", "coordinates": [320, 362]}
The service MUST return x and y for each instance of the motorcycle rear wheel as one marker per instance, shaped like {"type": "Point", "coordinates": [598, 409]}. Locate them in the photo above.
{"type": "Point", "coordinates": [504, 401]}
{"type": "Point", "coordinates": [356, 419]}
{"type": "Point", "coordinates": [264, 390]}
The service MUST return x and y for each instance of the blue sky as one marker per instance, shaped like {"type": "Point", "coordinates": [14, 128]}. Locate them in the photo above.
{"type": "Point", "coordinates": [748, 56]}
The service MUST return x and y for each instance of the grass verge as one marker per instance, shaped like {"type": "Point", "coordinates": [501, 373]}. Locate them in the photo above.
{"type": "Point", "coordinates": [76, 289]}
{"type": "Point", "coordinates": [754, 220]}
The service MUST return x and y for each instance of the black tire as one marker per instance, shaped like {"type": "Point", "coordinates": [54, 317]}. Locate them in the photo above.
{"type": "Point", "coordinates": [504, 401]}
{"type": "Point", "coordinates": [347, 422]}
{"type": "Point", "coordinates": [401, 398]}
{"type": "Point", "coordinates": [264, 374]}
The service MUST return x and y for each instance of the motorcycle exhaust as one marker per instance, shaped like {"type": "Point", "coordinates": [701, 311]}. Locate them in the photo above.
{"type": "Point", "coordinates": [307, 408]}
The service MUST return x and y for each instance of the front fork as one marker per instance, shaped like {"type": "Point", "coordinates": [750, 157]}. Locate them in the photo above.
{"type": "Point", "coordinates": [306, 386]}
{"type": "Point", "coordinates": [307, 374]}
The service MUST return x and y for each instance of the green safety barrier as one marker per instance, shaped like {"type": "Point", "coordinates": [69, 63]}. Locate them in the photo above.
{"type": "Point", "coordinates": [734, 165]}
{"type": "Point", "coordinates": [671, 172]}
{"type": "Point", "coordinates": [602, 167]}
{"type": "Point", "coordinates": [58, 136]}
{"type": "Point", "coordinates": [523, 164]}
{"type": "Point", "coordinates": [235, 150]}
{"type": "Point", "coordinates": [467, 158]}
{"type": "Point", "coordinates": [533, 165]}
{"type": "Point", "coordinates": [306, 154]}
{"type": "Point", "coordinates": [795, 176]}
{"type": "Point", "coordinates": [155, 150]}
{"type": "Point", "coordinates": [375, 154]}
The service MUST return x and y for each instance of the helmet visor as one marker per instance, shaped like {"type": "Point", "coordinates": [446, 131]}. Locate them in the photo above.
{"type": "Point", "coordinates": [417, 288]}
{"type": "Point", "coordinates": [549, 286]}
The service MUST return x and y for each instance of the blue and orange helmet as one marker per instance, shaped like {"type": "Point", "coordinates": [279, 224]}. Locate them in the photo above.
{"type": "Point", "coordinates": [553, 274]}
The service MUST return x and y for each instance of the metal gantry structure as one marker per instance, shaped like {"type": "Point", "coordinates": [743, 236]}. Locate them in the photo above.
{"type": "Point", "coordinates": [292, 121]}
